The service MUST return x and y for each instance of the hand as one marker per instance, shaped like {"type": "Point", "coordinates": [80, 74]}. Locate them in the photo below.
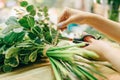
{"type": "Point", "coordinates": [100, 47]}
{"type": "Point", "coordinates": [72, 16]}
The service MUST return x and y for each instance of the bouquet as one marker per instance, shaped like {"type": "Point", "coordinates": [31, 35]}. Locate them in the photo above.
{"type": "Point", "coordinates": [30, 36]}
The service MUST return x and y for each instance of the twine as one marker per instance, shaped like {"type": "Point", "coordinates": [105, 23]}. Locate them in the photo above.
{"type": "Point", "coordinates": [45, 49]}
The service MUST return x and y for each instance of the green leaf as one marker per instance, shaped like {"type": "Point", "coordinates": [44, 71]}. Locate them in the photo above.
{"type": "Point", "coordinates": [11, 52]}
{"type": "Point", "coordinates": [48, 37]}
{"type": "Point", "coordinates": [25, 44]}
{"type": "Point", "coordinates": [45, 9]}
{"type": "Point", "coordinates": [31, 35]}
{"type": "Point", "coordinates": [13, 37]}
{"type": "Point", "coordinates": [27, 21]}
{"type": "Point", "coordinates": [47, 18]}
{"type": "Point", "coordinates": [1, 58]}
{"type": "Point", "coordinates": [30, 8]}
{"type": "Point", "coordinates": [37, 31]}
{"type": "Point", "coordinates": [38, 41]}
{"type": "Point", "coordinates": [12, 23]}
{"type": "Point", "coordinates": [46, 14]}
{"type": "Point", "coordinates": [23, 3]}
{"type": "Point", "coordinates": [2, 49]}
{"type": "Point", "coordinates": [33, 13]}
{"type": "Point", "coordinates": [12, 61]}
{"type": "Point", "coordinates": [9, 38]}
{"type": "Point", "coordinates": [26, 59]}
{"type": "Point", "coordinates": [46, 28]}
{"type": "Point", "coordinates": [31, 21]}
{"type": "Point", "coordinates": [11, 20]}
{"type": "Point", "coordinates": [23, 22]}
{"type": "Point", "coordinates": [33, 56]}
{"type": "Point", "coordinates": [6, 68]}
{"type": "Point", "coordinates": [39, 14]}
{"type": "Point", "coordinates": [20, 36]}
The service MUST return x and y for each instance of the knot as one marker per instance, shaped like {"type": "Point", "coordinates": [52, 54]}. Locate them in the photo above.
{"type": "Point", "coordinates": [45, 49]}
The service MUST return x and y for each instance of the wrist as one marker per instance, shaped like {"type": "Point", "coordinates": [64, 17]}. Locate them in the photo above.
{"type": "Point", "coordinates": [95, 20]}
{"type": "Point", "coordinates": [91, 18]}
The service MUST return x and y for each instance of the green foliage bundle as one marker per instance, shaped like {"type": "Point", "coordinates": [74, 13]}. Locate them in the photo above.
{"type": "Point", "coordinates": [27, 39]}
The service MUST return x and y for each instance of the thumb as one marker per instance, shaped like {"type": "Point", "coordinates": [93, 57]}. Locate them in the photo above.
{"type": "Point", "coordinates": [63, 24]}
{"type": "Point", "coordinates": [89, 47]}
{"type": "Point", "coordinates": [91, 40]}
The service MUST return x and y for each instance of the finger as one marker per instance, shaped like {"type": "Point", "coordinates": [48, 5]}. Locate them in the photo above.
{"type": "Point", "coordinates": [64, 15]}
{"type": "Point", "coordinates": [90, 39]}
{"type": "Point", "coordinates": [88, 47]}
{"type": "Point", "coordinates": [64, 24]}
{"type": "Point", "coordinates": [62, 29]}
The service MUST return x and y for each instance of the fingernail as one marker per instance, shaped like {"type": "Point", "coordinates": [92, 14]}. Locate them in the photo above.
{"type": "Point", "coordinates": [60, 25]}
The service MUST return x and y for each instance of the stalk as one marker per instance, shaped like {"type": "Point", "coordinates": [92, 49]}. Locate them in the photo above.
{"type": "Point", "coordinates": [76, 51]}
{"type": "Point", "coordinates": [88, 75]}
{"type": "Point", "coordinates": [60, 66]}
{"type": "Point", "coordinates": [56, 73]}
{"type": "Point", "coordinates": [66, 47]}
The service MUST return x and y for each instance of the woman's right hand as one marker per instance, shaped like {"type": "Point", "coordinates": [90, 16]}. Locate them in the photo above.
{"type": "Point", "coordinates": [73, 16]}
{"type": "Point", "coordinates": [100, 47]}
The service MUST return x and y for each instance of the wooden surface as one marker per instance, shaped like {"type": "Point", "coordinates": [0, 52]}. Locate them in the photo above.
{"type": "Point", "coordinates": [33, 72]}
{"type": "Point", "coordinates": [110, 74]}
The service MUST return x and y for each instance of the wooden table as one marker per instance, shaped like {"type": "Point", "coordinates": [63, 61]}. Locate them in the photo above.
{"type": "Point", "coordinates": [32, 72]}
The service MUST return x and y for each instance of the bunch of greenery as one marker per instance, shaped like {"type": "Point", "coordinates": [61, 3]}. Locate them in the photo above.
{"type": "Point", "coordinates": [27, 39]}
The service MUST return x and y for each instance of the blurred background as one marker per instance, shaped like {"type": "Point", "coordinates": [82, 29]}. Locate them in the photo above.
{"type": "Point", "coordinates": [106, 8]}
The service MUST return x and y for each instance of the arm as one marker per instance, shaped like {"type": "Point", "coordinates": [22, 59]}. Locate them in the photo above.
{"type": "Point", "coordinates": [106, 26]}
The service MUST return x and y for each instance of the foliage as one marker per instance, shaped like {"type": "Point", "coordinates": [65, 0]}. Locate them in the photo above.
{"type": "Point", "coordinates": [114, 9]}
{"type": "Point", "coordinates": [27, 39]}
